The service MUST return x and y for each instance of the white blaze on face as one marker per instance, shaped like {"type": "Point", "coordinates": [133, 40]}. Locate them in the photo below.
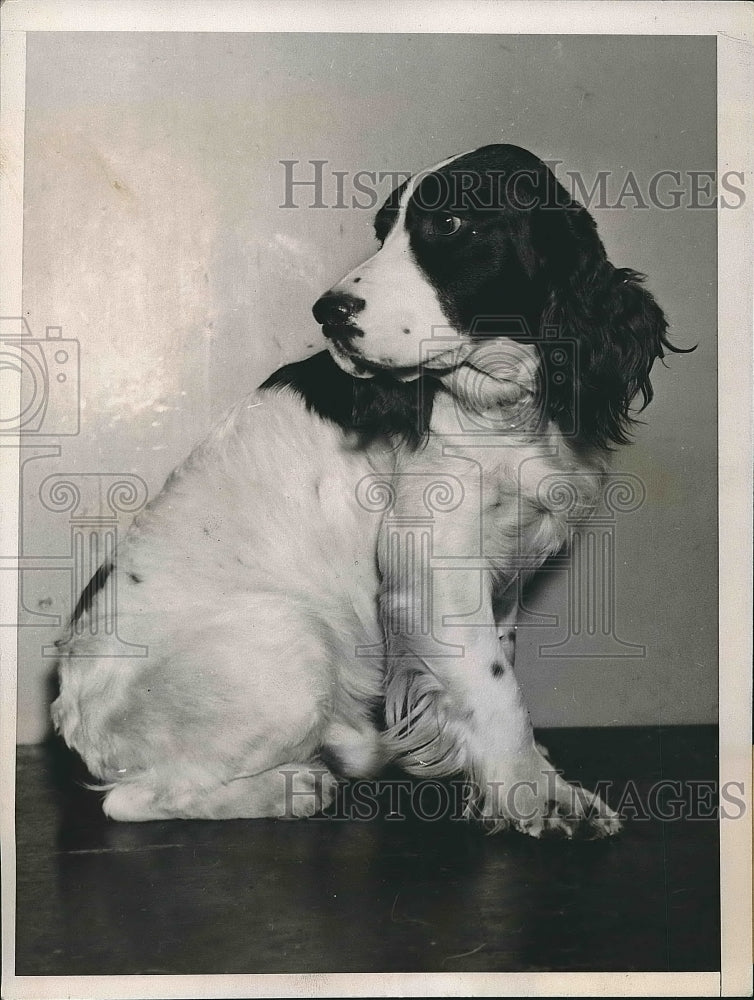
{"type": "Point", "coordinates": [402, 320]}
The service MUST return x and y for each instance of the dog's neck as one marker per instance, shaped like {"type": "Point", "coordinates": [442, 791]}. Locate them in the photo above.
{"type": "Point", "coordinates": [495, 389]}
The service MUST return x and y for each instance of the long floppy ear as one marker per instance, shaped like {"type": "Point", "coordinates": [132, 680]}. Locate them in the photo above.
{"type": "Point", "coordinates": [618, 328]}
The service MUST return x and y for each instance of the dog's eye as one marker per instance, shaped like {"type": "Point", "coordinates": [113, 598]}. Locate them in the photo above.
{"type": "Point", "coordinates": [445, 224]}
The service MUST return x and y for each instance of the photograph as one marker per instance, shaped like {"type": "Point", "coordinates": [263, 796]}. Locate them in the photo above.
{"type": "Point", "coordinates": [376, 442]}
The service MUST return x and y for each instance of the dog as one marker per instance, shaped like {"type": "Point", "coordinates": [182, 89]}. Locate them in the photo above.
{"type": "Point", "coordinates": [328, 584]}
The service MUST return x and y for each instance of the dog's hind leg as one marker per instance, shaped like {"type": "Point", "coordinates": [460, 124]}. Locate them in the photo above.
{"type": "Point", "coordinates": [204, 728]}
{"type": "Point", "coordinates": [291, 791]}
{"type": "Point", "coordinates": [355, 749]}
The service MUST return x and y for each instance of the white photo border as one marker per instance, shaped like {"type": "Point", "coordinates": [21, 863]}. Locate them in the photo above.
{"type": "Point", "coordinates": [732, 24]}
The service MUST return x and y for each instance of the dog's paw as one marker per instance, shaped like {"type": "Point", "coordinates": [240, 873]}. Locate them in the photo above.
{"type": "Point", "coordinates": [542, 805]}
{"type": "Point", "coordinates": [134, 802]}
{"type": "Point", "coordinates": [294, 791]}
{"type": "Point", "coordinates": [580, 815]}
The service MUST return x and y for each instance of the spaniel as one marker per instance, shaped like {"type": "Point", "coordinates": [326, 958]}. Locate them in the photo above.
{"type": "Point", "coordinates": [329, 583]}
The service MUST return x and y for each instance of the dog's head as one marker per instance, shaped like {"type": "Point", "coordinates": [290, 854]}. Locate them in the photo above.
{"type": "Point", "coordinates": [489, 245]}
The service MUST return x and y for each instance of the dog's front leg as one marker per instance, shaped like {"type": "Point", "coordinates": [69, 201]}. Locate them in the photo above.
{"type": "Point", "coordinates": [453, 704]}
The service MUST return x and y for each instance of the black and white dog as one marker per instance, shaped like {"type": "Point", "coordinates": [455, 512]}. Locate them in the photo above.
{"type": "Point", "coordinates": [329, 582]}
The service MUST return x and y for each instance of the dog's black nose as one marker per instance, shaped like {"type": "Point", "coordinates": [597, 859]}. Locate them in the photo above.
{"type": "Point", "coordinates": [336, 308]}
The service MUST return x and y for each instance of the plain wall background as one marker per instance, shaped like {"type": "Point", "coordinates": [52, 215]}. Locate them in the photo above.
{"type": "Point", "coordinates": [154, 235]}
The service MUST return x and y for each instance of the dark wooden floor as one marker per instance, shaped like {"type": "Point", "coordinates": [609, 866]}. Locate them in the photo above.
{"type": "Point", "coordinates": [96, 897]}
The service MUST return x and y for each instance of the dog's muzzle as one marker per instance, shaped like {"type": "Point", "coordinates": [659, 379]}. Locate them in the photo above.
{"type": "Point", "coordinates": [335, 311]}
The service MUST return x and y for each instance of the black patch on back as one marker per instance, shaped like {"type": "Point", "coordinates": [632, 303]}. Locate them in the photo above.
{"type": "Point", "coordinates": [92, 588]}
{"type": "Point", "coordinates": [374, 408]}
{"type": "Point", "coordinates": [498, 669]}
